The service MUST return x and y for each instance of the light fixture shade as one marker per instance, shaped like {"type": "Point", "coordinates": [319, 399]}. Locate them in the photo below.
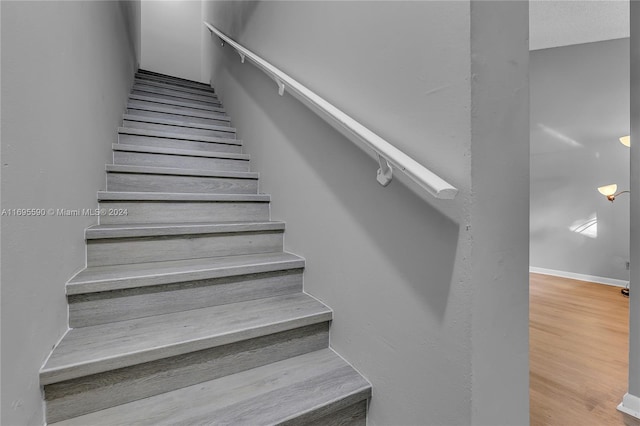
{"type": "Point", "coordinates": [626, 141]}
{"type": "Point", "coordinates": [608, 189]}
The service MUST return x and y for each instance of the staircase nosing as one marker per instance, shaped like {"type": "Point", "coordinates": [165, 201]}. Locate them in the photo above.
{"type": "Point", "coordinates": [177, 123]}
{"type": "Point", "coordinates": [181, 196]}
{"type": "Point", "coordinates": [171, 77]}
{"type": "Point", "coordinates": [163, 101]}
{"type": "Point", "coordinates": [179, 136]}
{"type": "Point", "coordinates": [156, 351]}
{"type": "Point", "coordinates": [169, 97]}
{"type": "Point", "coordinates": [139, 84]}
{"type": "Point", "coordinates": [145, 149]}
{"type": "Point", "coordinates": [99, 232]}
{"type": "Point", "coordinates": [136, 279]}
{"type": "Point", "coordinates": [190, 114]}
{"type": "Point", "coordinates": [172, 171]}
{"type": "Point", "coordinates": [167, 85]}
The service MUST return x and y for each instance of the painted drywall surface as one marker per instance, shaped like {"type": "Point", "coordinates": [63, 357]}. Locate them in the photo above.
{"type": "Point", "coordinates": [395, 269]}
{"type": "Point", "coordinates": [172, 37]}
{"type": "Point", "coordinates": [579, 109]}
{"type": "Point", "coordinates": [634, 297]}
{"type": "Point", "coordinates": [66, 70]}
{"type": "Point", "coordinates": [500, 212]}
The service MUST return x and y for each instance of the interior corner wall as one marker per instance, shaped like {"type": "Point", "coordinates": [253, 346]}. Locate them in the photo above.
{"type": "Point", "coordinates": [67, 68]}
{"type": "Point", "coordinates": [634, 294]}
{"type": "Point", "coordinates": [500, 212]}
{"type": "Point", "coordinates": [395, 269]}
{"type": "Point", "coordinates": [172, 38]}
{"type": "Point", "coordinates": [579, 109]}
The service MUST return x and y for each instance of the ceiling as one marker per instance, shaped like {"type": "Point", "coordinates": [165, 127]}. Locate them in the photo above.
{"type": "Point", "coordinates": [554, 23]}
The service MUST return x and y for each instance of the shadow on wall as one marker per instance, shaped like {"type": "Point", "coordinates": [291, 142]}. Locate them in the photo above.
{"type": "Point", "coordinates": [233, 24]}
{"type": "Point", "coordinates": [412, 237]}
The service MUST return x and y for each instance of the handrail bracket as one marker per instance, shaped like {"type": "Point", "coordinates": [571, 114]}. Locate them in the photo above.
{"type": "Point", "coordinates": [385, 172]}
{"type": "Point", "coordinates": [280, 86]}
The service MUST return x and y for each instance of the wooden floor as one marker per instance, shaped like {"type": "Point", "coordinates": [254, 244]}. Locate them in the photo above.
{"type": "Point", "coordinates": [578, 352]}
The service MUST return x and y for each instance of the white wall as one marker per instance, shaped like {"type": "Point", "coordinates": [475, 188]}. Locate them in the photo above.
{"type": "Point", "coordinates": [579, 109]}
{"type": "Point", "coordinates": [398, 271]}
{"type": "Point", "coordinates": [66, 70]}
{"type": "Point", "coordinates": [172, 37]}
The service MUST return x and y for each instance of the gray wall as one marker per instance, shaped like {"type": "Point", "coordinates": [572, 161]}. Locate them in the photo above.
{"type": "Point", "coordinates": [66, 70]}
{"type": "Point", "coordinates": [405, 276]}
{"type": "Point", "coordinates": [172, 37]}
{"type": "Point", "coordinates": [634, 297]}
{"type": "Point", "coordinates": [579, 109]}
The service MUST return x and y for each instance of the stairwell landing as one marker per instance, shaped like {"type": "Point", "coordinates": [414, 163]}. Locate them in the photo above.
{"type": "Point", "coordinates": [189, 310]}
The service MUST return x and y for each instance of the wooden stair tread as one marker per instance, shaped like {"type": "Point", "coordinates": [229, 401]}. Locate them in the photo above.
{"type": "Point", "coordinates": [89, 350]}
{"type": "Point", "coordinates": [180, 97]}
{"type": "Point", "coordinates": [117, 277]}
{"type": "Point", "coordinates": [178, 123]}
{"type": "Point", "coordinates": [120, 168]}
{"type": "Point", "coordinates": [169, 85]}
{"type": "Point", "coordinates": [184, 103]}
{"type": "Point", "coordinates": [183, 152]}
{"type": "Point", "coordinates": [180, 136]}
{"type": "Point", "coordinates": [168, 110]}
{"type": "Point", "coordinates": [177, 196]}
{"type": "Point", "coordinates": [148, 230]}
{"type": "Point", "coordinates": [143, 72]}
{"type": "Point", "coordinates": [304, 388]}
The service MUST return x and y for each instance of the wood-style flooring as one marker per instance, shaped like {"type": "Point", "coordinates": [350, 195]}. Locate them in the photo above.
{"type": "Point", "coordinates": [578, 352]}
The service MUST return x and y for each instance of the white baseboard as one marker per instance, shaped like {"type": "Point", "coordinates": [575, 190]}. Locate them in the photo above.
{"type": "Point", "coordinates": [580, 277]}
{"type": "Point", "coordinates": [630, 405]}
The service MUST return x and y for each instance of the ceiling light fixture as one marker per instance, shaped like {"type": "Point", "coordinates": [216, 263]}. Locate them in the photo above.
{"type": "Point", "coordinates": [626, 141]}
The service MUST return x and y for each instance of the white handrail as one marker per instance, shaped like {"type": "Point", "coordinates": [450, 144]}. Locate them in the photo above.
{"type": "Point", "coordinates": [349, 127]}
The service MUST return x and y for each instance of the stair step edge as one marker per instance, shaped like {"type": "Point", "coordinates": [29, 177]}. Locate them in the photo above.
{"type": "Point", "coordinates": [181, 196]}
{"type": "Point", "coordinates": [99, 232]}
{"type": "Point", "coordinates": [177, 123]}
{"type": "Point", "coordinates": [175, 97]}
{"type": "Point", "coordinates": [151, 170]}
{"type": "Point", "coordinates": [174, 102]}
{"type": "Point", "coordinates": [153, 86]}
{"type": "Point", "coordinates": [162, 110]}
{"type": "Point", "coordinates": [119, 277]}
{"type": "Point", "coordinates": [183, 152]}
{"type": "Point", "coordinates": [180, 136]}
{"type": "Point", "coordinates": [167, 85]}
{"type": "Point", "coordinates": [96, 349]}
{"type": "Point", "coordinates": [276, 393]}
{"type": "Point", "coordinates": [157, 74]}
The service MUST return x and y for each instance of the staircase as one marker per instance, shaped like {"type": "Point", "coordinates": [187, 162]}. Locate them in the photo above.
{"type": "Point", "coordinates": [189, 311]}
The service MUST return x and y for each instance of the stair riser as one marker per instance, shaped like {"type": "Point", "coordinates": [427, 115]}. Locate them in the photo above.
{"type": "Point", "coordinates": [84, 395]}
{"type": "Point", "coordinates": [132, 182]}
{"type": "Point", "coordinates": [178, 93]}
{"type": "Point", "coordinates": [181, 99]}
{"type": "Point", "coordinates": [166, 85]}
{"type": "Point", "coordinates": [179, 129]}
{"type": "Point", "coordinates": [104, 307]}
{"type": "Point", "coordinates": [174, 82]}
{"type": "Point", "coordinates": [173, 109]}
{"type": "Point", "coordinates": [122, 251]}
{"type": "Point", "coordinates": [179, 161]}
{"type": "Point", "coordinates": [182, 212]}
{"type": "Point", "coordinates": [171, 116]}
{"type": "Point", "coordinates": [155, 100]}
{"type": "Point", "coordinates": [178, 144]}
